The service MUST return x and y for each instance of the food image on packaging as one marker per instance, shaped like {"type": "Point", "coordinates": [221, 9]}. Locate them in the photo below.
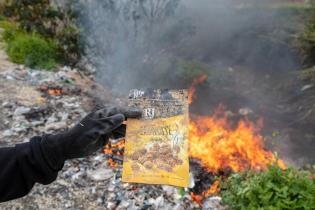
{"type": "Point", "coordinates": [157, 157]}
{"type": "Point", "coordinates": [156, 150]}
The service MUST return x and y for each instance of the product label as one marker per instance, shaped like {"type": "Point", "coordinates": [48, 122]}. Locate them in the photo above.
{"type": "Point", "coordinates": [156, 150]}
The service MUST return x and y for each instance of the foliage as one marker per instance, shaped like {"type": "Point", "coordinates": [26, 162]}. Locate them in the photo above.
{"type": "Point", "coordinates": [307, 41]}
{"type": "Point", "coordinates": [29, 49]}
{"type": "Point", "coordinates": [50, 21]}
{"type": "Point", "coordinates": [10, 30]}
{"type": "Point", "coordinates": [33, 51]}
{"type": "Point", "coordinates": [308, 74]}
{"type": "Point", "coordinates": [271, 190]}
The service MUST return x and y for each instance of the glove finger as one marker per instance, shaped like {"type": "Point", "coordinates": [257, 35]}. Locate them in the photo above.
{"type": "Point", "coordinates": [132, 112]}
{"type": "Point", "coordinates": [128, 112]}
{"type": "Point", "coordinates": [108, 111]}
{"type": "Point", "coordinates": [102, 113]}
{"type": "Point", "coordinates": [103, 140]}
{"type": "Point", "coordinates": [112, 122]}
{"type": "Point", "coordinates": [119, 133]}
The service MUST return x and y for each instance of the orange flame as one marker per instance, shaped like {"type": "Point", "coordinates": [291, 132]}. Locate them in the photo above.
{"type": "Point", "coordinates": [215, 187]}
{"type": "Point", "coordinates": [197, 198]}
{"type": "Point", "coordinates": [109, 150]}
{"type": "Point", "coordinates": [218, 146]}
{"type": "Point", "coordinates": [192, 88]}
{"type": "Point", "coordinates": [55, 92]}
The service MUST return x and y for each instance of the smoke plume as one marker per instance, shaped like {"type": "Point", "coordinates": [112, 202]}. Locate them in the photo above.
{"type": "Point", "coordinates": [138, 43]}
{"type": "Point", "coordinates": [243, 46]}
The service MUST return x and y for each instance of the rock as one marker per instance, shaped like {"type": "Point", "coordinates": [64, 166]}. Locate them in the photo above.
{"type": "Point", "coordinates": [9, 77]}
{"type": "Point", "coordinates": [100, 174]}
{"type": "Point", "coordinates": [37, 123]}
{"type": "Point", "coordinates": [110, 205]}
{"type": "Point", "coordinates": [158, 202]}
{"type": "Point", "coordinates": [306, 87]}
{"type": "Point", "coordinates": [55, 126]}
{"type": "Point", "coordinates": [51, 119]}
{"type": "Point", "coordinates": [99, 200]}
{"type": "Point", "coordinates": [8, 133]}
{"type": "Point", "coordinates": [63, 115]}
{"type": "Point", "coordinates": [169, 190]}
{"type": "Point", "coordinates": [20, 126]}
{"type": "Point", "coordinates": [123, 204]}
{"type": "Point", "coordinates": [213, 203]}
{"type": "Point", "coordinates": [77, 175]}
{"type": "Point", "coordinates": [6, 104]}
{"type": "Point", "coordinates": [111, 188]}
{"type": "Point", "coordinates": [21, 110]}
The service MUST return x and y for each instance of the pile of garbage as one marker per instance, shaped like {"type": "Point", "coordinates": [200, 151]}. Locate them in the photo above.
{"type": "Point", "coordinates": [44, 112]}
{"type": "Point", "coordinates": [35, 102]}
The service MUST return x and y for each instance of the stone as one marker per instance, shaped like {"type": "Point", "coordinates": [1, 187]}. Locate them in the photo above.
{"type": "Point", "coordinates": [100, 174]}
{"type": "Point", "coordinates": [306, 87]}
{"type": "Point", "coordinates": [8, 133]}
{"type": "Point", "coordinates": [55, 126]}
{"type": "Point", "coordinates": [21, 110]}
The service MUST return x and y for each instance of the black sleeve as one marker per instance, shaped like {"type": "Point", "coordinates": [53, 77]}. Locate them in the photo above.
{"type": "Point", "coordinates": [21, 167]}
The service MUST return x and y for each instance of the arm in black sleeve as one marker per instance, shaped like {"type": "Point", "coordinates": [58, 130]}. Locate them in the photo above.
{"type": "Point", "coordinates": [21, 167]}
{"type": "Point", "coordinates": [40, 159]}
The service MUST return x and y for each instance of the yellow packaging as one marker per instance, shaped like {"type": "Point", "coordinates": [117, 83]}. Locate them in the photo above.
{"type": "Point", "coordinates": [156, 149]}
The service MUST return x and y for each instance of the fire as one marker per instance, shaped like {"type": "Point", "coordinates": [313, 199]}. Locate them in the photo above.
{"type": "Point", "coordinates": [114, 149]}
{"type": "Point", "coordinates": [192, 89]}
{"type": "Point", "coordinates": [54, 92]}
{"type": "Point", "coordinates": [218, 146]}
{"type": "Point", "coordinates": [215, 187]}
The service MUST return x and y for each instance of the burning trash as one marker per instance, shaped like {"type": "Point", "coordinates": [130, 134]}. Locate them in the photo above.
{"type": "Point", "coordinates": [114, 152]}
{"type": "Point", "coordinates": [217, 147]}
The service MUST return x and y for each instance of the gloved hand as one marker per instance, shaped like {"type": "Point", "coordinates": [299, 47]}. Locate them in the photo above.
{"type": "Point", "coordinates": [91, 134]}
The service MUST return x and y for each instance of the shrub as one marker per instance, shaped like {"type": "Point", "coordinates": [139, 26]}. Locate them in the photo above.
{"type": "Point", "coordinates": [49, 21]}
{"type": "Point", "coordinates": [10, 30]}
{"type": "Point", "coordinates": [275, 189]}
{"type": "Point", "coordinates": [32, 50]}
{"type": "Point", "coordinates": [306, 41]}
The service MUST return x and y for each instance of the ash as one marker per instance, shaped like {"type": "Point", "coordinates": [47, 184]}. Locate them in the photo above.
{"type": "Point", "coordinates": [27, 109]}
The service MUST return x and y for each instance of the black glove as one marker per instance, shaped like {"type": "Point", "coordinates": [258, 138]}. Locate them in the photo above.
{"type": "Point", "coordinates": [91, 134]}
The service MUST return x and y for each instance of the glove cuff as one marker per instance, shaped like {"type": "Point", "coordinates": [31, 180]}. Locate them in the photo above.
{"type": "Point", "coordinates": [52, 151]}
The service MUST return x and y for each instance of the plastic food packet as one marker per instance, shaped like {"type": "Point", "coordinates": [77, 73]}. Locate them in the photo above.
{"type": "Point", "coordinates": [156, 149]}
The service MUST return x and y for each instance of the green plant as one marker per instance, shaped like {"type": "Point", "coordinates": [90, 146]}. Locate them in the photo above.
{"type": "Point", "coordinates": [32, 50]}
{"type": "Point", "coordinates": [49, 21]}
{"type": "Point", "coordinates": [306, 41]}
{"type": "Point", "coordinates": [274, 189]}
{"type": "Point", "coordinates": [10, 30]}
